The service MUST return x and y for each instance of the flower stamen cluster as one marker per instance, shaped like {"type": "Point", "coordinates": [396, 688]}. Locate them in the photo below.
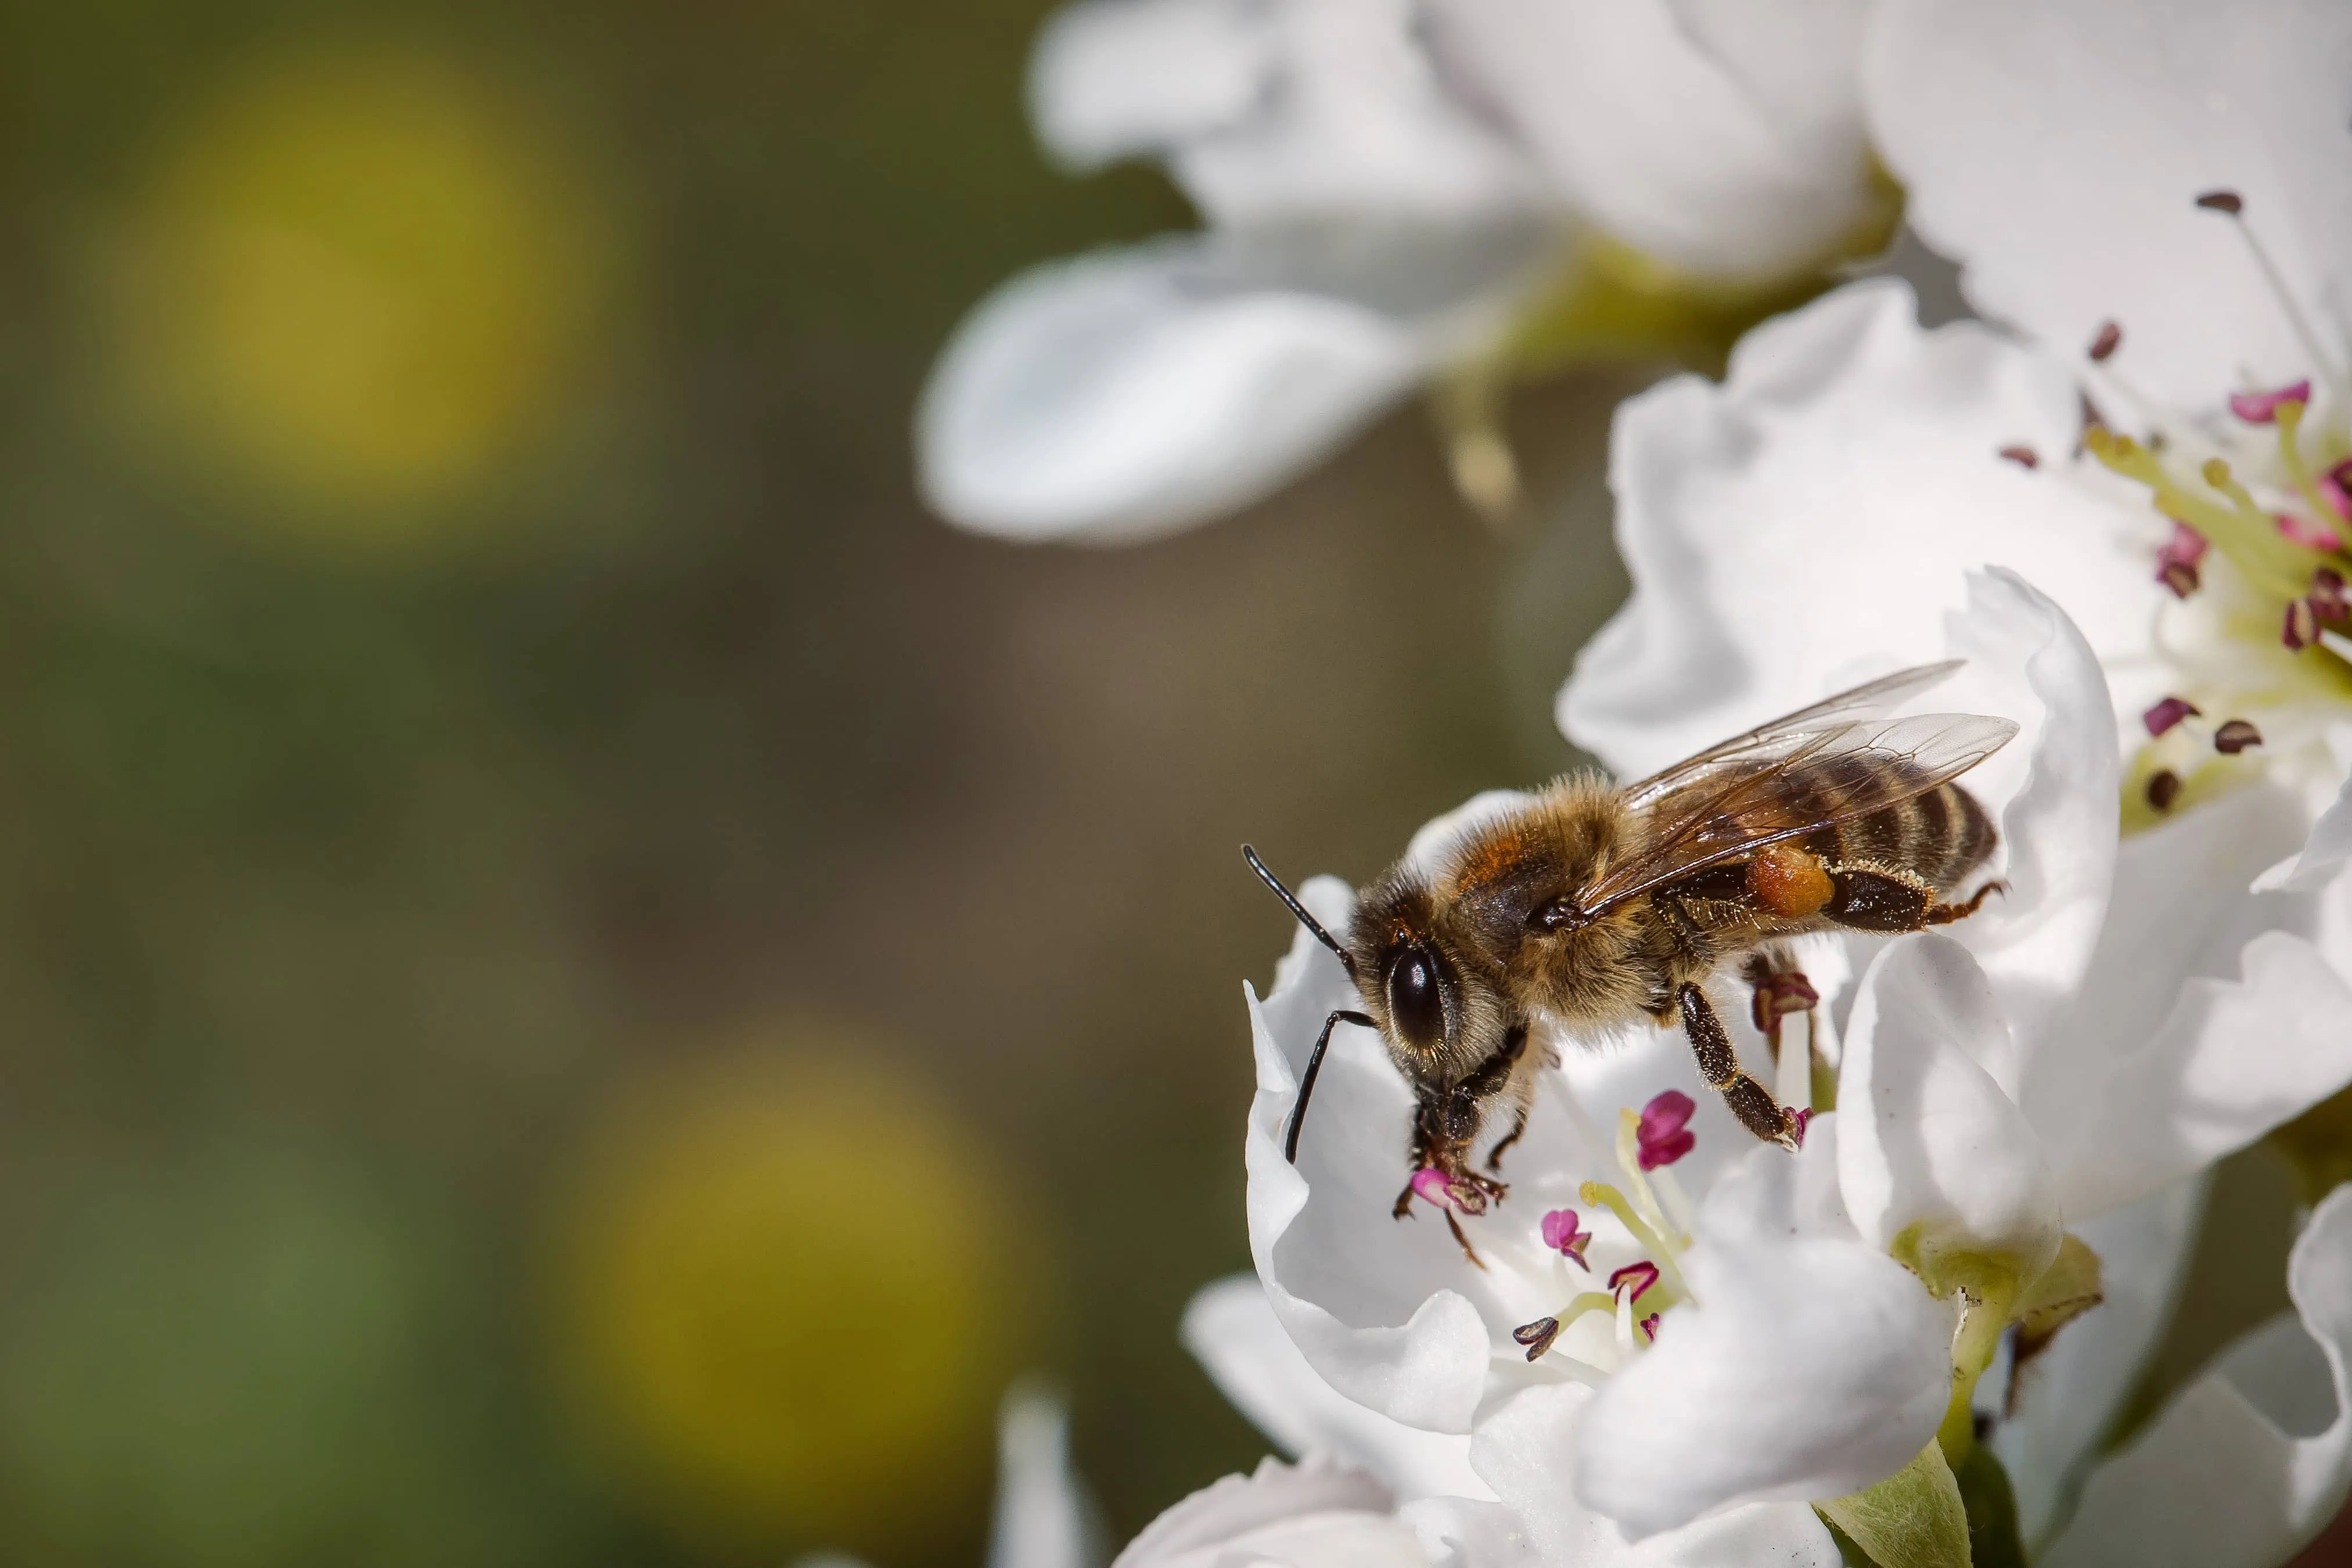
{"type": "Point", "coordinates": [1647, 1143]}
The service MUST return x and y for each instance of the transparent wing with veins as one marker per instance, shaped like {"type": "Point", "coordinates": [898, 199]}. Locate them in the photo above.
{"type": "Point", "coordinates": [1813, 769]}
{"type": "Point", "coordinates": [1868, 700]}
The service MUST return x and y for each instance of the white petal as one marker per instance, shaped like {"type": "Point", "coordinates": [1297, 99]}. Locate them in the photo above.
{"type": "Point", "coordinates": [1311, 1515]}
{"type": "Point", "coordinates": [2204, 1020]}
{"type": "Point", "coordinates": [1810, 1366]}
{"type": "Point", "coordinates": [1462, 1532]}
{"type": "Point", "coordinates": [2322, 855]}
{"type": "Point", "coordinates": [2067, 1397]}
{"type": "Point", "coordinates": [2235, 1059]}
{"type": "Point", "coordinates": [1378, 1307]}
{"type": "Point", "coordinates": [1724, 139]}
{"type": "Point", "coordinates": [2251, 1461]}
{"type": "Point", "coordinates": [1354, 121]}
{"type": "Point", "coordinates": [2056, 149]}
{"type": "Point", "coordinates": [2056, 791]}
{"type": "Point", "coordinates": [1130, 393]}
{"type": "Point", "coordinates": [1932, 1154]}
{"type": "Point", "coordinates": [1806, 523]}
{"type": "Point", "coordinates": [1528, 1444]}
{"type": "Point", "coordinates": [1233, 1333]}
{"type": "Point", "coordinates": [1043, 1518]}
{"type": "Point", "coordinates": [1111, 79]}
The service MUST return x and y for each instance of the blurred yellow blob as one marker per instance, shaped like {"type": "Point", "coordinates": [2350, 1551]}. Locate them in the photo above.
{"type": "Point", "coordinates": [358, 281]}
{"type": "Point", "coordinates": [790, 1288]}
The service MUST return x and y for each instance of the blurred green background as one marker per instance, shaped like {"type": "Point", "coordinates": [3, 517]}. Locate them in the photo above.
{"type": "Point", "coordinates": [580, 982]}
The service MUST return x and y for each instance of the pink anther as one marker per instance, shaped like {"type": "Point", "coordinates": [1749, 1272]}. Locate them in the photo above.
{"type": "Point", "coordinates": [1559, 1234]}
{"type": "Point", "coordinates": [2261, 408]}
{"type": "Point", "coordinates": [1663, 1136]}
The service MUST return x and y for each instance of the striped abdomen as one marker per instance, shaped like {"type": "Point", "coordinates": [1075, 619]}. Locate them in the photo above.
{"type": "Point", "coordinates": [1940, 836]}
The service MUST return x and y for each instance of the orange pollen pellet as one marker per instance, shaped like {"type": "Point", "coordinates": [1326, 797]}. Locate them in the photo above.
{"type": "Point", "coordinates": [1790, 881]}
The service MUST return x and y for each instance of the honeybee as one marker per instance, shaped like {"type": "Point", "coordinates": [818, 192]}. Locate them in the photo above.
{"type": "Point", "coordinates": [1593, 907]}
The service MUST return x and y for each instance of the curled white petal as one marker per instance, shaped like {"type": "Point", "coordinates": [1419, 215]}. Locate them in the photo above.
{"type": "Point", "coordinates": [1807, 523]}
{"type": "Point", "coordinates": [1317, 1514]}
{"type": "Point", "coordinates": [1233, 1333]}
{"type": "Point", "coordinates": [1932, 1155]}
{"type": "Point", "coordinates": [2322, 855]}
{"type": "Point", "coordinates": [1810, 1366]}
{"type": "Point", "coordinates": [2253, 1459]}
{"type": "Point", "coordinates": [2207, 1017]}
{"type": "Point", "coordinates": [2055, 790]}
{"type": "Point", "coordinates": [1531, 1441]}
{"type": "Point", "coordinates": [1376, 1306]}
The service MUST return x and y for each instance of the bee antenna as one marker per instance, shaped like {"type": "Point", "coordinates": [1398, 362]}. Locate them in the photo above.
{"type": "Point", "coordinates": [1291, 899]}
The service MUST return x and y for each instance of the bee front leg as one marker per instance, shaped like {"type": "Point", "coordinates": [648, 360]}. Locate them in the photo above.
{"type": "Point", "coordinates": [1519, 1129]}
{"type": "Point", "coordinates": [1718, 1064]}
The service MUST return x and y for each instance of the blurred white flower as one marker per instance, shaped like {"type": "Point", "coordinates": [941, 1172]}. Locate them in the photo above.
{"type": "Point", "coordinates": [1391, 187]}
{"type": "Point", "coordinates": [1043, 1518]}
{"type": "Point", "coordinates": [1722, 1334]}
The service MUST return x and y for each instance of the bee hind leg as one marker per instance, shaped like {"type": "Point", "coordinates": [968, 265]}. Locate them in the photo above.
{"type": "Point", "coordinates": [1718, 1064]}
{"type": "Point", "coordinates": [1869, 897]}
{"type": "Point", "coordinates": [1945, 914]}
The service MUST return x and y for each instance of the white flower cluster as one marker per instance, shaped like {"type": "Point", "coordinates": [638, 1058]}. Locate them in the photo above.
{"type": "Point", "coordinates": [2123, 498]}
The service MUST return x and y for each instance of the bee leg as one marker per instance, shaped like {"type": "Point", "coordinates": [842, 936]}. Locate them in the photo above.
{"type": "Point", "coordinates": [1718, 1064]}
{"type": "Point", "coordinates": [1945, 914]}
{"type": "Point", "coordinates": [1403, 1203]}
{"type": "Point", "coordinates": [1865, 898]}
{"type": "Point", "coordinates": [1778, 992]}
{"type": "Point", "coordinates": [1307, 1078]}
{"type": "Point", "coordinates": [1468, 1251]}
{"type": "Point", "coordinates": [1518, 1128]}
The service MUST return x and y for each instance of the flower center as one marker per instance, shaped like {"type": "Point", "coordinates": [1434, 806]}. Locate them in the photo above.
{"type": "Point", "coordinates": [2259, 553]}
{"type": "Point", "coordinates": [1647, 1143]}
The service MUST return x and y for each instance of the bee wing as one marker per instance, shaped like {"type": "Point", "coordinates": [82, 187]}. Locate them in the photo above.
{"type": "Point", "coordinates": [1767, 740]}
{"type": "Point", "coordinates": [1742, 798]}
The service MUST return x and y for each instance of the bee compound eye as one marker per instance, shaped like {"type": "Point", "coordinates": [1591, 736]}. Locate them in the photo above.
{"type": "Point", "coordinates": [1415, 1008]}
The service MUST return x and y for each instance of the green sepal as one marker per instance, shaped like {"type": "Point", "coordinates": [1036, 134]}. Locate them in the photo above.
{"type": "Point", "coordinates": [1993, 1540]}
{"type": "Point", "coordinates": [2069, 1287]}
{"type": "Point", "coordinates": [1913, 1518]}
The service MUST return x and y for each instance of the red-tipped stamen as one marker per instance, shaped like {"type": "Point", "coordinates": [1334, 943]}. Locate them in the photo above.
{"type": "Point", "coordinates": [1561, 1235]}
{"type": "Point", "coordinates": [1641, 1276]}
{"type": "Point", "coordinates": [2164, 715]}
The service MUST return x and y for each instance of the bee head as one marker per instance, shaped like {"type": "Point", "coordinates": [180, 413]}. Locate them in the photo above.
{"type": "Point", "coordinates": [1441, 1010]}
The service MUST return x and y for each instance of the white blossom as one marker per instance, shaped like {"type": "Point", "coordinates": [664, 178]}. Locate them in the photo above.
{"type": "Point", "coordinates": [2056, 1059]}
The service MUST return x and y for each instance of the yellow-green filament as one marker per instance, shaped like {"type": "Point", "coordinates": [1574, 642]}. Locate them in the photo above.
{"type": "Point", "coordinates": [1629, 1160]}
{"type": "Point", "coordinates": [1669, 1274]}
